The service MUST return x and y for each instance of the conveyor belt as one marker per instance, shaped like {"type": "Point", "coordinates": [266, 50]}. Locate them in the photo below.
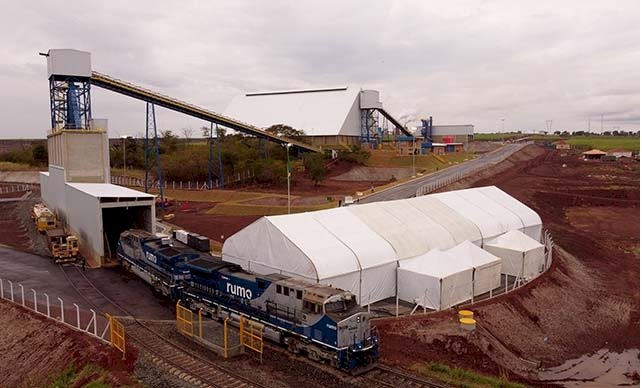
{"type": "Point", "coordinates": [394, 121]}
{"type": "Point", "coordinates": [118, 86]}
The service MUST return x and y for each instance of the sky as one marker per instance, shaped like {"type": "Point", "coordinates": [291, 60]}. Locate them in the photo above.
{"type": "Point", "coordinates": [508, 63]}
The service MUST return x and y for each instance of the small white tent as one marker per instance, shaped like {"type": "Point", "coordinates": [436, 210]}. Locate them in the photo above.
{"type": "Point", "coordinates": [435, 280]}
{"type": "Point", "coordinates": [521, 256]}
{"type": "Point", "coordinates": [487, 274]}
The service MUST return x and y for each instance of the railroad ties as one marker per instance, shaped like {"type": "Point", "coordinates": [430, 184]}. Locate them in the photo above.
{"type": "Point", "coordinates": [177, 360]}
{"type": "Point", "coordinates": [391, 377]}
{"type": "Point", "coordinates": [181, 363]}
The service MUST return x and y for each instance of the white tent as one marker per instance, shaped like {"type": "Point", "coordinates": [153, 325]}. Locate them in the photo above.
{"type": "Point", "coordinates": [531, 220]}
{"type": "Point", "coordinates": [489, 224]}
{"type": "Point", "coordinates": [331, 247]}
{"type": "Point", "coordinates": [521, 256]}
{"type": "Point", "coordinates": [459, 227]}
{"type": "Point", "coordinates": [357, 247]}
{"type": "Point", "coordinates": [435, 280]}
{"type": "Point", "coordinates": [377, 259]}
{"type": "Point", "coordinates": [487, 274]}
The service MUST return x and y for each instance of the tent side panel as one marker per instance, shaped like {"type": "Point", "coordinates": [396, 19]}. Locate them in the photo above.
{"type": "Point", "coordinates": [487, 278]}
{"type": "Point", "coordinates": [511, 260]}
{"type": "Point", "coordinates": [378, 283]}
{"type": "Point", "coordinates": [533, 262]}
{"type": "Point", "coordinates": [262, 248]}
{"type": "Point", "coordinates": [456, 288]}
{"type": "Point", "coordinates": [415, 288]}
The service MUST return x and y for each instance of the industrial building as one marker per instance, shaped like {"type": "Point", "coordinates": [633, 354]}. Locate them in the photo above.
{"type": "Point", "coordinates": [359, 248]}
{"type": "Point", "coordinates": [330, 116]}
{"type": "Point", "coordinates": [77, 184]}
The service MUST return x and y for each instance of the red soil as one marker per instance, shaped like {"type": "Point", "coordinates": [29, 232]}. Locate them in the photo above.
{"type": "Point", "coordinates": [587, 301]}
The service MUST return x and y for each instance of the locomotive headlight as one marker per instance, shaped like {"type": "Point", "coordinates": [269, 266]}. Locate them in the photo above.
{"type": "Point", "coordinates": [358, 318]}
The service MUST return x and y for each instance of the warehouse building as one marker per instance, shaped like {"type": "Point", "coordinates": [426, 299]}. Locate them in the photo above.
{"type": "Point", "coordinates": [330, 116]}
{"type": "Point", "coordinates": [359, 248]}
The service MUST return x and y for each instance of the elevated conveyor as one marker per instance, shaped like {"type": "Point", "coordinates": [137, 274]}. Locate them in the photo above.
{"type": "Point", "coordinates": [122, 87]}
{"type": "Point", "coordinates": [394, 121]}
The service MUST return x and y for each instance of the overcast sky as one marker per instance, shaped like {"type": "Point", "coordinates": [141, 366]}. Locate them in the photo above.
{"type": "Point", "coordinates": [460, 61]}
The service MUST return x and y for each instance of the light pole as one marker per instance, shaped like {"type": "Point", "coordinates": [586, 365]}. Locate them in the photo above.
{"type": "Point", "coordinates": [287, 152]}
{"type": "Point", "coordinates": [124, 153]}
{"type": "Point", "coordinates": [413, 155]}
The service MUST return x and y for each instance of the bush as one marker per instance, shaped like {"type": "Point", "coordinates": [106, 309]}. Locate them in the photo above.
{"type": "Point", "coordinates": [356, 155]}
{"type": "Point", "coordinates": [315, 167]}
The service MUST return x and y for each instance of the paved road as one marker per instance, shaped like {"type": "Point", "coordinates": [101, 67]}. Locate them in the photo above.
{"type": "Point", "coordinates": [409, 189]}
{"type": "Point", "coordinates": [41, 274]}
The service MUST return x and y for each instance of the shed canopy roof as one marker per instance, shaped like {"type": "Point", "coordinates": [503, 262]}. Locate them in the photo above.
{"type": "Point", "coordinates": [477, 256]}
{"type": "Point", "coordinates": [107, 190]}
{"type": "Point", "coordinates": [594, 152]}
{"type": "Point", "coordinates": [515, 240]}
{"type": "Point", "coordinates": [435, 263]}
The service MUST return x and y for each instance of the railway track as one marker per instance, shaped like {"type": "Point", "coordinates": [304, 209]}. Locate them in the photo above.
{"type": "Point", "coordinates": [177, 359]}
{"type": "Point", "coordinates": [386, 376]}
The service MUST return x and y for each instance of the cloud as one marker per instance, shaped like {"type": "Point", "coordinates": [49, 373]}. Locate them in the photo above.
{"type": "Point", "coordinates": [461, 62]}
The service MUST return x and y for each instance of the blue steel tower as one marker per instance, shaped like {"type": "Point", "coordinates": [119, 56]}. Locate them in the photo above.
{"type": "Point", "coordinates": [69, 89]}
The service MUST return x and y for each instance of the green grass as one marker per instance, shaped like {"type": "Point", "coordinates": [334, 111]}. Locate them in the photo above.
{"type": "Point", "coordinates": [93, 376]}
{"type": "Point", "coordinates": [240, 209]}
{"type": "Point", "coordinates": [497, 136]}
{"type": "Point", "coordinates": [463, 378]}
{"type": "Point", "coordinates": [605, 143]}
{"type": "Point", "coordinates": [11, 166]}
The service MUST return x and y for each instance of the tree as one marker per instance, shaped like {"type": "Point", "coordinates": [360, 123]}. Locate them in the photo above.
{"type": "Point", "coordinates": [284, 130]}
{"type": "Point", "coordinates": [187, 133]}
{"type": "Point", "coordinates": [557, 133]}
{"type": "Point", "coordinates": [606, 133]}
{"type": "Point", "coordinates": [315, 167]}
{"type": "Point", "coordinates": [205, 131]}
{"type": "Point", "coordinates": [39, 154]}
{"type": "Point", "coordinates": [169, 141]}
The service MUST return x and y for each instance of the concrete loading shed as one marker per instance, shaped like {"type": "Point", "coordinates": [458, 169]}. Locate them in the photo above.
{"type": "Point", "coordinates": [358, 247]}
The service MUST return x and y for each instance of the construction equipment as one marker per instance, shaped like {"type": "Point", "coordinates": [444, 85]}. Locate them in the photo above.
{"type": "Point", "coordinates": [62, 245]}
{"type": "Point", "coordinates": [44, 218]}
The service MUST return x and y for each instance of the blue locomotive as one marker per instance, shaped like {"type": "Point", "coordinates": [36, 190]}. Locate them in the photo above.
{"type": "Point", "coordinates": [323, 322]}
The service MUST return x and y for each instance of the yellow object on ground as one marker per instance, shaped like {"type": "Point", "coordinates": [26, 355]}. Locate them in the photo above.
{"type": "Point", "coordinates": [466, 314]}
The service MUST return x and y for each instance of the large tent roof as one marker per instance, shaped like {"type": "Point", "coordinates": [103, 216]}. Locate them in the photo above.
{"type": "Point", "coordinates": [527, 215]}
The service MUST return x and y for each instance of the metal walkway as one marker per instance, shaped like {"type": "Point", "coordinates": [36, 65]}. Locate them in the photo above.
{"type": "Point", "coordinates": [128, 89]}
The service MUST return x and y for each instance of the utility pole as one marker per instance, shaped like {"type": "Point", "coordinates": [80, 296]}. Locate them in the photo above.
{"type": "Point", "coordinates": [602, 123]}
{"type": "Point", "coordinates": [414, 174]}
{"type": "Point", "coordinates": [287, 152]}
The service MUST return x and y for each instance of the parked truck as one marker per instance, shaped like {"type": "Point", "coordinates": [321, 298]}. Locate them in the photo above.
{"type": "Point", "coordinates": [44, 218]}
{"type": "Point", "coordinates": [62, 245]}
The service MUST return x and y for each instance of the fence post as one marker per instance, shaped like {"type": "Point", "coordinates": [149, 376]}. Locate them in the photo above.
{"type": "Point", "coordinates": [62, 310]}
{"type": "Point", "coordinates": [181, 185]}
{"type": "Point", "coordinates": [77, 316]}
{"type": "Point", "coordinates": [35, 300]}
{"type": "Point", "coordinates": [22, 294]}
{"type": "Point", "coordinates": [1, 289]}
{"type": "Point", "coordinates": [11, 286]}
{"type": "Point", "coordinates": [48, 309]}
{"type": "Point", "coordinates": [93, 317]}
{"type": "Point", "coordinates": [189, 185]}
